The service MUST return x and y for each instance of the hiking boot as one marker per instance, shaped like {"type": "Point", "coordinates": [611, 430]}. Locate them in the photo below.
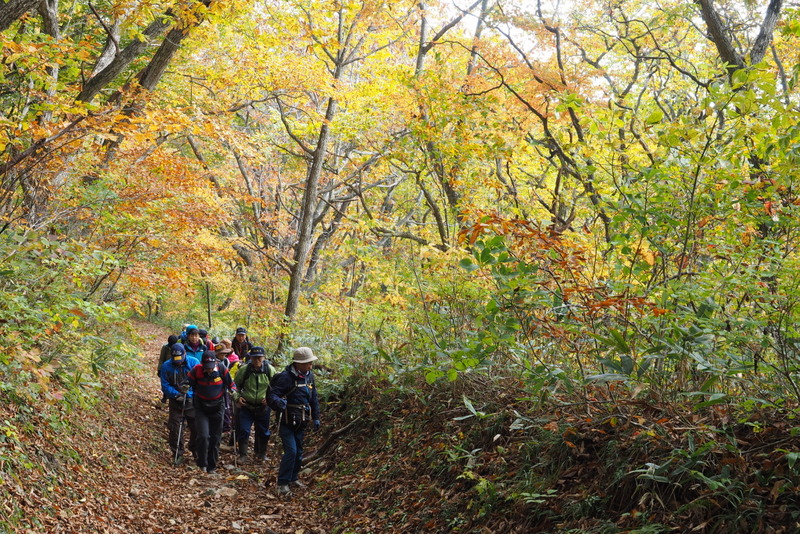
{"type": "Point", "coordinates": [297, 484]}
{"type": "Point", "coordinates": [283, 489]}
{"type": "Point", "coordinates": [211, 470]}
{"type": "Point", "coordinates": [242, 459]}
{"type": "Point", "coordinates": [261, 457]}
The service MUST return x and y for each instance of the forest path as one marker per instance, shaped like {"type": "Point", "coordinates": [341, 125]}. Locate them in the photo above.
{"type": "Point", "coordinates": [138, 490]}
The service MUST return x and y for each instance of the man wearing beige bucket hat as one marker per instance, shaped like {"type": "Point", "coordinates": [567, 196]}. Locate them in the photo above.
{"type": "Point", "coordinates": [293, 396]}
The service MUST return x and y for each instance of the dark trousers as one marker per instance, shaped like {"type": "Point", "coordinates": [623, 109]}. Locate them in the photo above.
{"type": "Point", "coordinates": [247, 417]}
{"type": "Point", "coordinates": [292, 458]}
{"type": "Point", "coordinates": [208, 425]}
{"type": "Point", "coordinates": [174, 422]}
{"type": "Point", "coordinates": [226, 421]}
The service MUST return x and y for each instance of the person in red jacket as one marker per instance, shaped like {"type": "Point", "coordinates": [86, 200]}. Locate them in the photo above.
{"type": "Point", "coordinates": [209, 380]}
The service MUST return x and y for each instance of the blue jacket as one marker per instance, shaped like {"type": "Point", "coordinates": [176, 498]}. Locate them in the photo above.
{"type": "Point", "coordinates": [197, 354]}
{"type": "Point", "coordinates": [173, 375]}
{"type": "Point", "coordinates": [289, 387]}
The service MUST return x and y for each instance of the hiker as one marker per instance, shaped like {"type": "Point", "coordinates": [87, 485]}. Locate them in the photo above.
{"type": "Point", "coordinates": [241, 343]}
{"type": "Point", "coordinates": [252, 387]}
{"type": "Point", "coordinates": [233, 367]}
{"type": "Point", "coordinates": [175, 386]}
{"type": "Point", "coordinates": [222, 353]}
{"type": "Point", "coordinates": [185, 333]}
{"type": "Point", "coordinates": [194, 345]}
{"type": "Point", "coordinates": [293, 395]}
{"type": "Point", "coordinates": [204, 339]}
{"type": "Point", "coordinates": [232, 357]}
{"type": "Point", "coordinates": [166, 352]}
{"type": "Point", "coordinates": [209, 380]}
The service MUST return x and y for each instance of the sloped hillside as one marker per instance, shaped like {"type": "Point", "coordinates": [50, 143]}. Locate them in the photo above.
{"type": "Point", "coordinates": [419, 461]}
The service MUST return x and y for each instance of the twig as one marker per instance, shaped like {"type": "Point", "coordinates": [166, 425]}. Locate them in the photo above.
{"type": "Point", "coordinates": [320, 451]}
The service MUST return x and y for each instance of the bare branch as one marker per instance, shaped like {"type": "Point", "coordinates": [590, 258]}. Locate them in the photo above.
{"type": "Point", "coordinates": [111, 35]}
{"type": "Point", "coordinates": [289, 130]}
{"type": "Point", "coordinates": [427, 47]}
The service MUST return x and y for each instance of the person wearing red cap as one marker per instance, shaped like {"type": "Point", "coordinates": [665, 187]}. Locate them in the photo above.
{"type": "Point", "coordinates": [209, 380]}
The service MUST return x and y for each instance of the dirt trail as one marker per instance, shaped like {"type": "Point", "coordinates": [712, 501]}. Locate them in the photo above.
{"type": "Point", "coordinates": [129, 484]}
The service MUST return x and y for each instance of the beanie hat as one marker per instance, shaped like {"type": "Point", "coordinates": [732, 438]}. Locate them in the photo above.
{"type": "Point", "coordinates": [191, 330]}
{"type": "Point", "coordinates": [171, 340]}
{"type": "Point", "coordinates": [303, 355]}
{"type": "Point", "coordinates": [203, 333]}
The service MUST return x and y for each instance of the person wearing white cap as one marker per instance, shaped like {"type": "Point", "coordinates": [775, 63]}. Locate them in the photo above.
{"type": "Point", "coordinates": [293, 395]}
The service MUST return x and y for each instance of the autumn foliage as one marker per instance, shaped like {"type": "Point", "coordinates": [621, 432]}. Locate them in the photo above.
{"type": "Point", "coordinates": [582, 198]}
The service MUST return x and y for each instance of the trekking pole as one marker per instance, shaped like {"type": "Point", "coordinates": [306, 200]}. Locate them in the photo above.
{"type": "Point", "coordinates": [234, 424]}
{"type": "Point", "coordinates": [178, 445]}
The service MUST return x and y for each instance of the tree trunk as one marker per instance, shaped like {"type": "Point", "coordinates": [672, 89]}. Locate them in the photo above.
{"type": "Point", "coordinates": [152, 73]}
{"type": "Point", "coordinates": [48, 9]}
{"type": "Point", "coordinates": [122, 60]}
{"type": "Point", "coordinates": [445, 176]}
{"type": "Point", "coordinates": [13, 10]}
{"type": "Point", "coordinates": [305, 230]}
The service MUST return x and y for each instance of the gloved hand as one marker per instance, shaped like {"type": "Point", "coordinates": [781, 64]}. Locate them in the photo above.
{"type": "Point", "coordinates": [179, 398]}
{"type": "Point", "coordinates": [316, 424]}
{"type": "Point", "coordinates": [184, 388]}
{"type": "Point", "coordinates": [281, 405]}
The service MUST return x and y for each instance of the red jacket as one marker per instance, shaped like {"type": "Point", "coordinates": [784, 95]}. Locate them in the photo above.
{"type": "Point", "coordinates": [210, 386]}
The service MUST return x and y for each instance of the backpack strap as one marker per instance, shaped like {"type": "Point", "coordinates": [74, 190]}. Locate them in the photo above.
{"type": "Point", "coordinates": [307, 384]}
{"type": "Point", "coordinates": [247, 372]}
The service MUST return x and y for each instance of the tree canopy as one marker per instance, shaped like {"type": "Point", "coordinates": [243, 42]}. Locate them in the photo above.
{"type": "Point", "coordinates": [587, 193]}
{"type": "Point", "coordinates": [575, 197]}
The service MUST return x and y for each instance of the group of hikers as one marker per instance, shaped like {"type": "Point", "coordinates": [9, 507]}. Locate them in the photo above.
{"type": "Point", "coordinates": [218, 386]}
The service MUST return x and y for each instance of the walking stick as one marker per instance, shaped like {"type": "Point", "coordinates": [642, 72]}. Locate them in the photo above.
{"type": "Point", "coordinates": [179, 444]}
{"type": "Point", "coordinates": [234, 424]}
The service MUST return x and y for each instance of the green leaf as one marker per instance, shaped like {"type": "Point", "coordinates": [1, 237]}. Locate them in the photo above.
{"type": "Point", "coordinates": [468, 265]}
{"type": "Point", "coordinates": [602, 378]}
{"type": "Point", "coordinates": [468, 404]}
{"type": "Point", "coordinates": [792, 458]}
{"type": "Point", "coordinates": [655, 117]}
{"type": "Point", "coordinates": [627, 364]}
{"type": "Point", "coordinates": [716, 398]}
{"type": "Point", "coordinates": [432, 376]}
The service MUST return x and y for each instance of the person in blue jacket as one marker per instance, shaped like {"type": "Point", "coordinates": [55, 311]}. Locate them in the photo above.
{"type": "Point", "coordinates": [293, 396]}
{"type": "Point", "coordinates": [194, 344]}
{"type": "Point", "coordinates": [175, 386]}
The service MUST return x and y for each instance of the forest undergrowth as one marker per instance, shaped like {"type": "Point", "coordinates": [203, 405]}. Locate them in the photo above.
{"type": "Point", "coordinates": [397, 454]}
{"type": "Point", "coordinates": [424, 462]}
